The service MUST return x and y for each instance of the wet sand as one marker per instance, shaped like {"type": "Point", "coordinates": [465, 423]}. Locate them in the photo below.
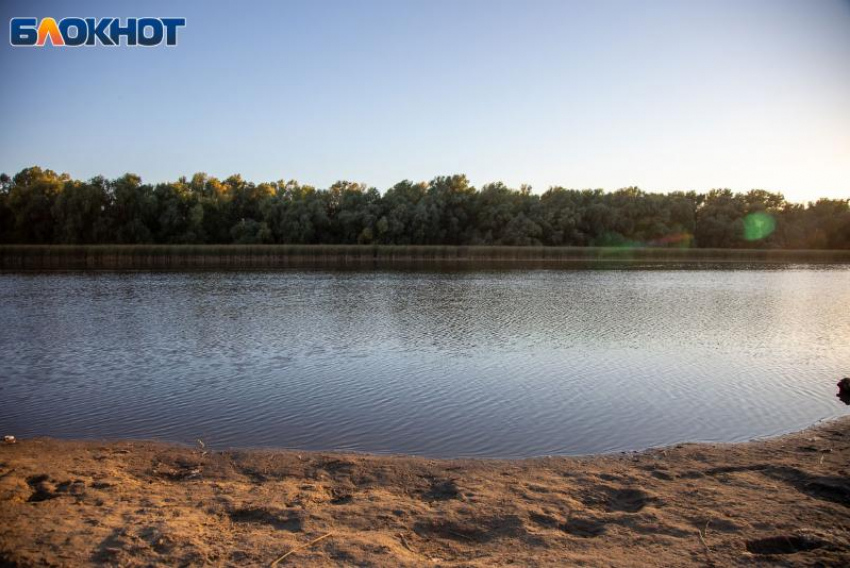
{"type": "Point", "coordinates": [72, 503]}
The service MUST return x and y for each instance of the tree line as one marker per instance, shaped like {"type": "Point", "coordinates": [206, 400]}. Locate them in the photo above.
{"type": "Point", "coordinates": [39, 206]}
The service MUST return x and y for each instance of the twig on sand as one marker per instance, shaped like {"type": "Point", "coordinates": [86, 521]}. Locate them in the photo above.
{"type": "Point", "coordinates": [701, 534]}
{"type": "Point", "coordinates": [460, 535]}
{"type": "Point", "coordinates": [297, 548]}
{"type": "Point", "coordinates": [702, 537]}
{"type": "Point", "coordinates": [404, 542]}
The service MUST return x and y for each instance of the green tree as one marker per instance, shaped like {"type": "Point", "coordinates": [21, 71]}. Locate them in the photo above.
{"type": "Point", "coordinates": [720, 220]}
{"type": "Point", "coordinates": [41, 206]}
{"type": "Point", "coordinates": [134, 211]}
{"type": "Point", "coordinates": [81, 212]}
{"type": "Point", "coordinates": [31, 199]}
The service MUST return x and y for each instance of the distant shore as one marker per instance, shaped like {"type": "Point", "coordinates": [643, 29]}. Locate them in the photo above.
{"type": "Point", "coordinates": [81, 257]}
{"type": "Point", "coordinates": [73, 503]}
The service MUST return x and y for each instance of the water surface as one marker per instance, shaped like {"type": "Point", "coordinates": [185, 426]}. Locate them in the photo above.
{"type": "Point", "coordinates": [490, 363]}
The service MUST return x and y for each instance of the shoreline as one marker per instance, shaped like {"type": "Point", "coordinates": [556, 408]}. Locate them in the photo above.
{"type": "Point", "coordinates": [71, 503]}
{"type": "Point", "coordinates": [216, 257]}
{"type": "Point", "coordinates": [210, 447]}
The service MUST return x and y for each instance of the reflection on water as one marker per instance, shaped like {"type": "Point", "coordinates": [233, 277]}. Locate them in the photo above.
{"type": "Point", "coordinates": [466, 363]}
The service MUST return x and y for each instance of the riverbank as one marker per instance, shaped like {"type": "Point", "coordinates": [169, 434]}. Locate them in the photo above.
{"type": "Point", "coordinates": [71, 503]}
{"type": "Point", "coordinates": [145, 257]}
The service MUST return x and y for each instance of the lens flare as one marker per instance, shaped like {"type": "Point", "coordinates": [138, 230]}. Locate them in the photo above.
{"type": "Point", "coordinates": [758, 226]}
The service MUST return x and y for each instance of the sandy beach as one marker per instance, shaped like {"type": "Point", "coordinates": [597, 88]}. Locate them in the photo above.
{"type": "Point", "coordinates": [131, 503]}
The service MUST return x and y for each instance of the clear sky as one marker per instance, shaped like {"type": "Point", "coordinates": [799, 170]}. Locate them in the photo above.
{"type": "Point", "coordinates": [599, 93]}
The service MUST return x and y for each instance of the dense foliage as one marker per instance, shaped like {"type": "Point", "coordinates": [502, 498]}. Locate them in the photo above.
{"type": "Point", "coordinates": [40, 206]}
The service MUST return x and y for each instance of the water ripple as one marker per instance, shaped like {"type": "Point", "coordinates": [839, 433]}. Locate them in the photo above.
{"type": "Point", "coordinates": [500, 364]}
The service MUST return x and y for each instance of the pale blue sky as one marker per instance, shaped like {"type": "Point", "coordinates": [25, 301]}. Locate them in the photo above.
{"type": "Point", "coordinates": [661, 94]}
